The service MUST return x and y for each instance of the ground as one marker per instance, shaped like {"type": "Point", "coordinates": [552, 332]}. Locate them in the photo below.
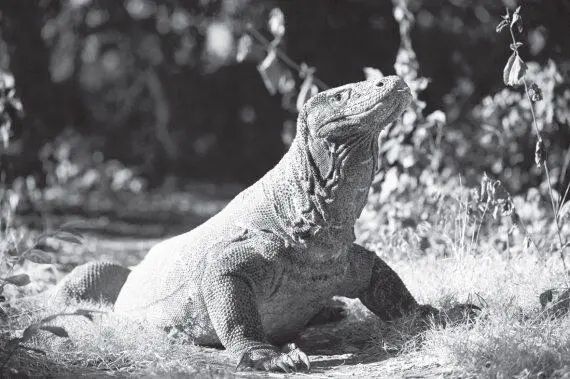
{"type": "Point", "coordinates": [513, 337]}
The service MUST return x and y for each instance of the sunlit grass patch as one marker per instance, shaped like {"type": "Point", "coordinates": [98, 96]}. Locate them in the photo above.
{"type": "Point", "coordinates": [513, 336]}
{"type": "Point", "coordinates": [111, 344]}
{"type": "Point", "coordinates": [506, 343]}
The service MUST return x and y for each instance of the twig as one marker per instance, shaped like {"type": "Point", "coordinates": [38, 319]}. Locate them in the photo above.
{"type": "Point", "coordinates": [281, 55]}
{"type": "Point", "coordinates": [563, 199]}
{"type": "Point", "coordinates": [545, 163]}
{"type": "Point", "coordinates": [565, 167]}
{"type": "Point", "coordinates": [475, 237]}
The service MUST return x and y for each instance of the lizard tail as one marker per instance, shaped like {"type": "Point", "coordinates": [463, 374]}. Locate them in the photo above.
{"type": "Point", "coordinates": [93, 281]}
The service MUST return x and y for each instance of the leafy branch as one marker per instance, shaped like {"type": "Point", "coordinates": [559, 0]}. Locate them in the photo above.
{"type": "Point", "coordinates": [38, 252]}
{"type": "Point", "coordinates": [277, 68]}
{"type": "Point", "coordinates": [514, 75]}
{"type": "Point", "coordinates": [32, 330]}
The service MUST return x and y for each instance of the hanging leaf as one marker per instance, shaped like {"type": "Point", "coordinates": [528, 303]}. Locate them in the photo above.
{"type": "Point", "coordinates": [514, 70]}
{"type": "Point", "coordinates": [546, 297]}
{"type": "Point", "coordinates": [539, 153]}
{"type": "Point", "coordinates": [68, 237]}
{"type": "Point", "coordinates": [518, 71]}
{"type": "Point", "coordinates": [371, 73]}
{"type": "Point", "coordinates": [308, 88]}
{"type": "Point", "coordinates": [38, 256]}
{"type": "Point", "coordinates": [12, 252]}
{"type": "Point", "coordinates": [16, 106]}
{"type": "Point", "coordinates": [47, 319]}
{"type": "Point", "coordinates": [276, 23]}
{"type": "Point", "coordinates": [33, 349]}
{"type": "Point", "coordinates": [57, 330]}
{"type": "Point", "coordinates": [507, 69]}
{"type": "Point", "coordinates": [271, 71]}
{"type": "Point", "coordinates": [564, 211]}
{"type": "Point", "coordinates": [45, 248]}
{"type": "Point", "coordinates": [18, 280]}
{"type": "Point", "coordinates": [437, 117]}
{"type": "Point", "coordinates": [516, 17]}
{"type": "Point", "coordinates": [503, 24]}
{"type": "Point", "coordinates": [13, 344]}
{"type": "Point", "coordinates": [85, 313]}
{"type": "Point", "coordinates": [67, 229]}
{"type": "Point", "coordinates": [29, 332]}
{"type": "Point", "coordinates": [535, 93]}
{"type": "Point", "coordinates": [71, 228]}
{"type": "Point", "coordinates": [495, 212]}
{"type": "Point", "coordinates": [286, 83]}
{"type": "Point", "coordinates": [244, 47]}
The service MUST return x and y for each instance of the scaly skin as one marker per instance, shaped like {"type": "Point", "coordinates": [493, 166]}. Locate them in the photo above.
{"type": "Point", "coordinates": [255, 274]}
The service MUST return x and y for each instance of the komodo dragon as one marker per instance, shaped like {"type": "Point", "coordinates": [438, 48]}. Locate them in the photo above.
{"type": "Point", "coordinates": [252, 276]}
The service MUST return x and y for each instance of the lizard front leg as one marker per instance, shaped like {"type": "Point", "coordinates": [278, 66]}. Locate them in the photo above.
{"type": "Point", "coordinates": [230, 291]}
{"type": "Point", "coordinates": [381, 289]}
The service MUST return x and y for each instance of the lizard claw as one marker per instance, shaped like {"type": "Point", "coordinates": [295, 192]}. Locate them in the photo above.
{"type": "Point", "coordinates": [286, 364]}
{"type": "Point", "coordinates": [298, 356]}
{"type": "Point", "coordinates": [291, 359]}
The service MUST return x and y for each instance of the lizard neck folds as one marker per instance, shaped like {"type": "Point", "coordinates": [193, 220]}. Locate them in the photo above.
{"type": "Point", "coordinates": [333, 159]}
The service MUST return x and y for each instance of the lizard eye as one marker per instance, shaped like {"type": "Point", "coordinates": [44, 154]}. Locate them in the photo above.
{"type": "Point", "coordinates": [340, 97]}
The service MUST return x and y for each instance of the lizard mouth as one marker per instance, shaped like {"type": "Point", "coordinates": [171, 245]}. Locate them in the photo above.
{"type": "Point", "coordinates": [390, 113]}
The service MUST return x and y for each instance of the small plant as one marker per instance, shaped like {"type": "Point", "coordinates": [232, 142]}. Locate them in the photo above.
{"type": "Point", "coordinates": [15, 343]}
{"type": "Point", "coordinates": [15, 249]}
{"type": "Point", "coordinates": [10, 107]}
{"type": "Point", "coordinates": [493, 200]}
{"type": "Point", "coordinates": [514, 75]}
{"type": "Point", "coordinates": [39, 251]}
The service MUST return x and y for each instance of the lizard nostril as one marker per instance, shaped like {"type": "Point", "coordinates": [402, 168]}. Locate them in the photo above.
{"type": "Point", "coordinates": [380, 84]}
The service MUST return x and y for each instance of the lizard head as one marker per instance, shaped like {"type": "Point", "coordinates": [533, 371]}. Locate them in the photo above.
{"type": "Point", "coordinates": [359, 108]}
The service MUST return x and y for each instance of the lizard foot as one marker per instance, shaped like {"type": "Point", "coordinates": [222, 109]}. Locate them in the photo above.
{"type": "Point", "coordinates": [290, 359]}
{"type": "Point", "coordinates": [461, 313]}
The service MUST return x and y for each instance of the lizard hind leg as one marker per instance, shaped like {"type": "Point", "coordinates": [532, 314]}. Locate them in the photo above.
{"type": "Point", "coordinates": [94, 281]}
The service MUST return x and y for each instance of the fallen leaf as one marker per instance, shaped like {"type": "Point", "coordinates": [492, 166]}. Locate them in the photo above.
{"type": "Point", "coordinates": [57, 330]}
{"type": "Point", "coordinates": [18, 280]}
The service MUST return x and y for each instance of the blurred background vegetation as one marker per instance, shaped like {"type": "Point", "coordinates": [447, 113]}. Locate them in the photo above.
{"type": "Point", "coordinates": [127, 121]}
{"type": "Point", "coordinates": [116, 90]}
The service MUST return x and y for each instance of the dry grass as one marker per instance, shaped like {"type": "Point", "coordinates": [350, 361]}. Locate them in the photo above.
{"type": "Point", "coordinates": [513, 338]}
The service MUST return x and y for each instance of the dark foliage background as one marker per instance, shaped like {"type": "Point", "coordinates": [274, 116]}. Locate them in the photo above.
{"type": "Point", "coordinates": [123, 122]}
{"type": "Point", "coordinates": [155, 85]}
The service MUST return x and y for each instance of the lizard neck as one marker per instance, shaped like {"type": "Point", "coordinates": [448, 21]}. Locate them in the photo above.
{"type": "Point", "coordinates": [320, 187]}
